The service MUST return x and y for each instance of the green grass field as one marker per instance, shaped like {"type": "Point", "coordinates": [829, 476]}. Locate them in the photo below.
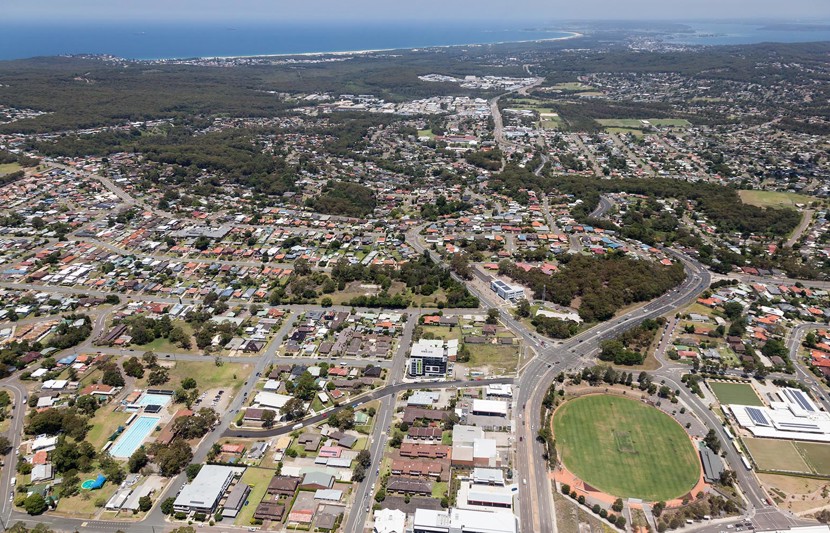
{"type": "Point", "coordinates": [501, 359]}
{"type": "Point", "coordinates": [773, 198]}
{"type": "Point", "coordinates": [626, 448]}
{"type": "Point", "coordinates": [770, 454]}
{"type": "Point", "coordinates": [258, 479]}
{"type": "Point", "coordinates": [8, 168]}
{"type": "Point", "coordinates": [636, 123]}
{"type": "Point", "coordinates": [572, 86]}
{"type": "Point", "coordinates": [739, 393]}
{"type": "Point", "coordinates": [817, 456]}
{"type": "Point", "coordinates": [624, 131]}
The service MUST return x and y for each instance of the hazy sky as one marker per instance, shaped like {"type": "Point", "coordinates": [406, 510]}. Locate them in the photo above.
{"type": "Point", "coordinates": [542, 11]}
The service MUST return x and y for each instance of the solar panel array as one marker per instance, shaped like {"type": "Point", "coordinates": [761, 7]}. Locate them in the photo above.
{"type": "Point", "coordinates": [800, 398]}
{"type": "Point", "coordinates": [758, 416]}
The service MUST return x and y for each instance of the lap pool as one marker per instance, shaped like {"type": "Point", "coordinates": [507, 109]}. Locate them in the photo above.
{"type": "Point", "coordinates": [133, 436]}
{"type": "Point", "coordinates": [153, 399]}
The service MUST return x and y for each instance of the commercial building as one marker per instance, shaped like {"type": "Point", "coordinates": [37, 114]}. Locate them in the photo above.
{"type": "Point", "coordinates": [202, 495]}
{"type": "Point", "coordinates": [792, 415]}
{"type": "Point", "coordinates": [466, 520]}
{"type": "Point", "coordinates": [236, 499]}
{"type": "Point", "coordinates": [489, 407]}
{"type": "Point", "coordinates": [428, 358]}
{"type": "Point", "coordinates": [507, 292]}
{"type": "Point", "coordinates": [389, 521]}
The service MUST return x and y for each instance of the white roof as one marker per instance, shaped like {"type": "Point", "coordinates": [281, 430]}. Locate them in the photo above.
{"type": "Point", "coordinates": [271, 399]}
{"type": "Point", "coordinates": [500, 389]}
{"type": "Point", "coordinates": [428, 348]}
{"type": "Point", "coordinates": [328, 494]}
{"type": "Point", "coordinates": [487, 494]}
{"type": "Point", "coordinates": [484, 448]}
{"type": "Point", "coordinates": [490, 406]}
{"type": "Point", "coordinates": [39, 372]}
{"type": "Point", "coordinates": [44, 441]}
{"type": "Point", "coordinates": [466, 434]}
{"type": "Point", "coordinates": [271, 384]}
{"type": "Point", "coordinates": [390, 521]}
{"type": "Point", "coordinates": [206, 487]}
{"type": "Point", "coordinates": [488, 475]}
{"type": "Point", "coordinates": [479, 521]}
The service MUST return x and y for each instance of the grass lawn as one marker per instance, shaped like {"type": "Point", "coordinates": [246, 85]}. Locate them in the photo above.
{"type": "Point", "coordinates": [258, 479]}
{"type": "Point", "coordinates": [82, 505]}
{"type": "Point", "coordinates": [104, 424]}
{"type": "Point", "coordinates": [572, 86]}
{"type": "Point", "coordinates": [624, 131]}
{"type": "Point", "coordinates": [426, 133]}
{"type": "Point", "coordinates": [441, 332]}
{"type": "Point", "coordinates": [636, 123]}
{"type": "Point", "coordinates": [210, 376]}
{"type": "Point", "coordinates": [317, 405]}
{"type": "Point", "coordinates": [162, 345]}
{"type": "Point", "coordinates": [698, 309]}
{"type": "Point", "coordinates": [738, 393]}
{"type": "Point", "coordinates": [817, 456]}
{"type": "Point", "coordinates": [500, 358]}
{"type": "Point", "coordinates": [626, 448]}
{"type": "Point", "coordinates": [446, 438]}
{"type": "Point", "coordinates": [773, 198]}
{"type": "Point", "coordinates": [8, 168]}
{"type": "Point", "coordinates": [439, 489]}
{"type": "Point", "coordinates": [770, 454]}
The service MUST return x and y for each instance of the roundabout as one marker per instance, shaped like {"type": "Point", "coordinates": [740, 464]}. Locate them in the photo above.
{"type": "Point", "coordinates": [625, 448]}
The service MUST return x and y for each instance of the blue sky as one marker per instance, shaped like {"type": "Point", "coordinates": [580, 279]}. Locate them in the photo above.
{"type": "Point", "coordinates": [541, 11]}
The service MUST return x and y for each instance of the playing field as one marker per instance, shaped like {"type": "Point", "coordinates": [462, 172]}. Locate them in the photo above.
{"type": "Point", "coordinates": [770, 454]}
{"type": "Point", "coordinates": [625, 448]}
{"type": "Point", "coordinates": [737, 393]}
{"type": "Point", "coordinates": [817, 456]}
{"type": "Point", "coordinates": [774, 198]}
{"type": "Point", "coordinates": [638, 124]}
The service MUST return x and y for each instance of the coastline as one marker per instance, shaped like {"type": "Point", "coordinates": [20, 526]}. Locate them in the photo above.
{"type": "Point", "coordinates": [572, 35]}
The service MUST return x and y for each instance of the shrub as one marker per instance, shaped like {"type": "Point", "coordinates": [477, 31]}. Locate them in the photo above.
{"type": "Point", "coordinates": [566, 489]}
{"type": "Point", "coordinates": [581, 499]}
{"type": "Point", "coordinates": [595, 509]}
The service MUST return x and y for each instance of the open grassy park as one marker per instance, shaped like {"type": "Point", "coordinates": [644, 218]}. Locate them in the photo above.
{"type": "Point", "coordinates": [735, 393]}
{"type": "Point", "coordinates": [790, 456]}
{"type": "Point", "coordinates": [637, 124]}
{"type": "Point", "coordinates": [626, 448]}
{"type": "Point", "coordinates": [773, 198]}
{"type": "Point", "coordinates": [773, 454]}
{"type": "Point", "coordinates": [8, 168]}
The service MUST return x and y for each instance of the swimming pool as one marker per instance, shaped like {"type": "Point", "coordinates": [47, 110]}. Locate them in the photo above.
{"type": "Point", "coordinates": [133, 436]}
{"type": "Point", "coordinates": [153, 399]}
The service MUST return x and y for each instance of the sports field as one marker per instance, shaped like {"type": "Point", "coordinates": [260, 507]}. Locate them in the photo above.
{"type": "Point", "coordinates": [770, 454]}
{"type": "Point", "coordinates": [790, 456]}
{"type": "Point", "coordinates": [636, 123]}
{"type": "Point", "coordinates": [773, 198]}
{"type": "Point", "coordinates": [817, 456]}
{"type": "Point", "coordinates": [738, 393]}
{"type": "Point", "coordinates": [625, 448]}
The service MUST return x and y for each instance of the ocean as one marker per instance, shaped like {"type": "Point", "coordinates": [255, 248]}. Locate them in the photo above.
{"type": "Point", "coordinates": [154, 40]}
{"type": "Point", "coordinates": [735, 33]}
{"type": "Point", "coordinates": [171, 41]}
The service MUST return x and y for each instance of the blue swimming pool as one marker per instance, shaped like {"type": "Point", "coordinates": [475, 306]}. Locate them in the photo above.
{"type": "Point", "coordinates": [153, 399]}
{"type": "Point", "coordinates": [133, 436]}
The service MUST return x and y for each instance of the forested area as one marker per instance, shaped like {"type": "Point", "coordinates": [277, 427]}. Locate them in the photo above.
{"type": "Point", "coordinates": [82, 93]}
{"type": "Point", "coordinates": [344, 198]}
{"type": "Point", "coordinates": [631, 347]}
{"type": "Point", "coordinates": [233, 153]}
{"type": "Point", "coordinates": [598, 286]}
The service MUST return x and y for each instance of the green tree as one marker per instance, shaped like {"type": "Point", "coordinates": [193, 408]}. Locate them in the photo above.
{"type": "Point", "coordinates": [137, 460]}
{"type": "Point", "coordinates": [35, 504]}
{"type": "Point", "coordinates": [167, 506]}
{"type": "Point", "coordinates": [144, 504]}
